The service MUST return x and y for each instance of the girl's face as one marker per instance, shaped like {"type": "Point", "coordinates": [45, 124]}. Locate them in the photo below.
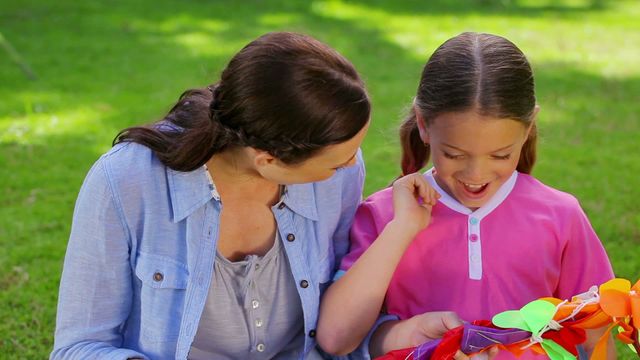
{"type": "Point", "coordinates": [473, 155]}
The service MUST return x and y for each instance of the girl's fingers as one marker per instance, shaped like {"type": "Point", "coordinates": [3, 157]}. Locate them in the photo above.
{"type": "Point", "coordinates": [424, 190]}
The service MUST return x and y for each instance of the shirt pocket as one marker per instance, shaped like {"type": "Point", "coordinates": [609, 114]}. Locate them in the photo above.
{"type": "Point", "coordinates": [162, 295]}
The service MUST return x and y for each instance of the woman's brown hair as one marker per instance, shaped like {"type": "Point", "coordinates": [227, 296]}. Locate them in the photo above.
{"type": "Point", "coordinates": [284, 93]}
{"type": "Point", "coordinates": [481, 72]}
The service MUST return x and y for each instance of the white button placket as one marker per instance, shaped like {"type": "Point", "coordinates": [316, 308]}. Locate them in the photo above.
{"type": "Point", "coordinates": [475, 248]}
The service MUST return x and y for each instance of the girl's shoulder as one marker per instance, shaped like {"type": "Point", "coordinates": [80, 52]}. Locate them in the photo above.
{"type": "Point", "coordinates": [531, 190]}
{"type": "Point", "coordinates": [381, 197]}
{"type": "Point", "coordinates": [379, 204]}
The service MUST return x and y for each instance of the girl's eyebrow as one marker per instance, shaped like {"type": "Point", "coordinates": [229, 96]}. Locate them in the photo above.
{"type": "Point", "coordinates": [497, 150]}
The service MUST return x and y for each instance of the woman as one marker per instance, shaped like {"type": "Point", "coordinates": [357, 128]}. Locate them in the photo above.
{"type": "Point", "coordinates": [213, 232]}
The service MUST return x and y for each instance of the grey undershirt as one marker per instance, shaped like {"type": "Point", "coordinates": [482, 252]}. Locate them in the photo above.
{"type": "Point", "coordinates": [253, 311]}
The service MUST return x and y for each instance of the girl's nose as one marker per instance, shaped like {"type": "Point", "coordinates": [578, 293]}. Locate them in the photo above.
{"type": "Point", "coordinates": [474, 171]}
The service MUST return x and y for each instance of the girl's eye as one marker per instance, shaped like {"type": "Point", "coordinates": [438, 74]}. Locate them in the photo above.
{"type": "Point", "coordinates": [452, 156]}
{"type": "Point", "coordinates": [502, 157]}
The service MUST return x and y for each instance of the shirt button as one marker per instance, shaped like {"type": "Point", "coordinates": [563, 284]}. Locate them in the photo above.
{"type": "Point", "coordinates": [312, 333]}
{"type": "Point", "coordinates": [258, 322]}
{"type": "Point", "coordinates": [473, 221]}
{"type": "Point", "coordinates": [291, 237]}
{"type": "Point", "coordinates": [158, 276]}
{"type": "Point", "coordinates": [255, 304]}
{"type": "Point", "coordinates": [473, 237]}
{"type": "Point", "coordinates": [260, 347]}
{"type": "Point", "coordinates": [475, 258]}
{"type": "Point", "coordinates": [281, 206]}
{"type": "Point", "coordinates": [304, 284]}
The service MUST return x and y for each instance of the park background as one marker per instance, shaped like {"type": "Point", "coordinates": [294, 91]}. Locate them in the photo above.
{"type": "Point", "coordinates": [72, 74]}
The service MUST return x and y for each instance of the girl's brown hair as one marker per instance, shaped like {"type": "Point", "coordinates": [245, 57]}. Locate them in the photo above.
{"type": "Point", "coordinates": [284, 93]}
{"type": "Point", "coordinates": [481, 72]}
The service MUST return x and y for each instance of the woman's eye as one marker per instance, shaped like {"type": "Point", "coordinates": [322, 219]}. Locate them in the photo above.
{"type": "Point", "coordinates": [502, 157]}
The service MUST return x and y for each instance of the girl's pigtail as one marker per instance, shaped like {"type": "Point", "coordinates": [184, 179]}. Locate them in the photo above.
{"type": "Point", "coordinates": [528, 153]}
{"type": "Point", "coordinates": [414, 152]}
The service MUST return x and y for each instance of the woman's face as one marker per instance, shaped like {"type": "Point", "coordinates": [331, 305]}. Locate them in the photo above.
{"type": "Point", "coordinates": [319, 167]}
{"type": "Point", "coordinates": [473, 155]}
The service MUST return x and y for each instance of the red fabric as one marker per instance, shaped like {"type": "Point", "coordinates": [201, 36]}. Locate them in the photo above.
{"type": "Point", "coordinates": [450, 344]}
{"type": "Point", "coordinates": [567, 337]}
{"type": "Point", "coordinates": [401, 354]}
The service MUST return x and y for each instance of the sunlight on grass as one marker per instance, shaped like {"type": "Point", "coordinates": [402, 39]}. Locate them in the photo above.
{"type": "Point", "coordinates": [583, 41]}
{"type": "Point", "coordinates": [197, 36]}
{"type": "Point", "coordinates": [278, 20]}
{"type": "Point", "coordinates": [34, 127]}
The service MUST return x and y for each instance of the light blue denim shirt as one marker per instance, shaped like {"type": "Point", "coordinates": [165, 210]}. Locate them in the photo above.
{"type": "Point", "coordinates": [140, 256]}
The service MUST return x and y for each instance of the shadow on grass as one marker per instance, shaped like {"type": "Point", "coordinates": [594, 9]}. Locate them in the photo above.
{"type": "Point", "coordinates": [129, 62]}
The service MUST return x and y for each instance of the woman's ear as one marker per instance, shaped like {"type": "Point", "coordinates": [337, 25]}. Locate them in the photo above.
{"type": "Point", "coordinates": [422, 125]}
{"type": "Point", "coordinates": [262, 158]}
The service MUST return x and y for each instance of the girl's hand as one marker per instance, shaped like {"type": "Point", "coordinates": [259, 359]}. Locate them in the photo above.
{"type": "Point", "coordinates": [431, 325]}
{"type": "Point", "coordinates": [417, 330]}
{"type": "Point", "coordinates": [413, 199]}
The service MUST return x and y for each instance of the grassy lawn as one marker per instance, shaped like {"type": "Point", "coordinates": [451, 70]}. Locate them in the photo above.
{"type": "Point", "coordinates": [101, 66]}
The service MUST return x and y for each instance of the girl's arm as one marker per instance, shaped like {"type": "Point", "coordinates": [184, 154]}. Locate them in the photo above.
{"type": "Point", "coordinates": [352, 304]}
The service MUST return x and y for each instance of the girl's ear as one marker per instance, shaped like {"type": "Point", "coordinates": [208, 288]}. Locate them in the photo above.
{"type": "Point", "coordinates": [422, 125]}
{"type": "Point", "coordinates": [536, 110]}
{"type": "Point", "coordinates": [534, 118]}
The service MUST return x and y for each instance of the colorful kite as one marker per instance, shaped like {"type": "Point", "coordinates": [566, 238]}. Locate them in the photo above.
{"type": "Point", "coordinates": [547, 326]}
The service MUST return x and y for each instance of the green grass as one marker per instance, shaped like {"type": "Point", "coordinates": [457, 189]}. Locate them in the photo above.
{"type": "Point", "coordinates": [102, 66]}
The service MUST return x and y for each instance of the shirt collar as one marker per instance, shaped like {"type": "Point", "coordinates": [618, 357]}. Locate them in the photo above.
{"type": "Point", "coordinates": [191, 190]}
{"type": "Point", "coordinates": [301, 199]}
{"type": "Point", "coordinates": [188, 191]}
{"type": "Point", "coordinates": [494, 202]}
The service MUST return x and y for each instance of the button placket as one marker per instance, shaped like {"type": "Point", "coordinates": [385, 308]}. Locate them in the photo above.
{"type": "Point", "coordinates": [474, 248]}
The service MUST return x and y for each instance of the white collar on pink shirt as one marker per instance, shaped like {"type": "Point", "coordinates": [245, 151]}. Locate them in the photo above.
{"type": "Point", "coordinates": [474, 218]}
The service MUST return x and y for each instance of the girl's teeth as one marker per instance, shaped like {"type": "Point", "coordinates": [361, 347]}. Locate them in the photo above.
{"type": "Point", "coordinates": [474, 186]}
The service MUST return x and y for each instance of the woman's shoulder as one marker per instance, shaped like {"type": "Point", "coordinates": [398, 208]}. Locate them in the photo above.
{"type": "Point", "coordinates": [131, 164]}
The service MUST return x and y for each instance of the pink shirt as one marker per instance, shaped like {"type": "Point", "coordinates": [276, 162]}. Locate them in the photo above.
{"type": "Point", "coordinates": [529, 241]}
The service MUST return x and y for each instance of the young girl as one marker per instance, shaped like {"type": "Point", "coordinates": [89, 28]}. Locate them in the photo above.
{"type": "Point", "coordinates": [496, 239]}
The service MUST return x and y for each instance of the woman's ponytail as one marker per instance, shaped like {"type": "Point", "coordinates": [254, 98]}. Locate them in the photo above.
{"type": "Point", "coordinates": [188, 136]}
